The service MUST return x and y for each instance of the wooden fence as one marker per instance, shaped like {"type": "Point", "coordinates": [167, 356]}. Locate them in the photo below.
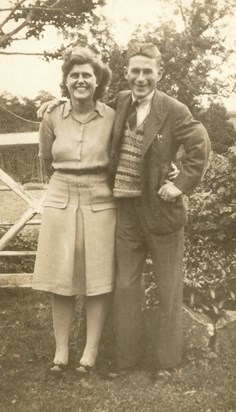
{"type": "Point", "coordinates": [34, 208]}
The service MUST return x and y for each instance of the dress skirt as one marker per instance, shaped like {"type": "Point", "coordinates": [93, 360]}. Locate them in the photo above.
{"type": "Point", "coordinates": [76, 247]}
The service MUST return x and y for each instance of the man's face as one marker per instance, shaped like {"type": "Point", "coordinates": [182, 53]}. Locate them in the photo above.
{"type": "Point", "coordinates": [142, 74]}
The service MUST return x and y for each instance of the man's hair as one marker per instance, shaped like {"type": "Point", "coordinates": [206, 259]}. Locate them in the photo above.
{"type": "Point", "coordinates": [144, 49]}
{"type": "Point", "coordinates": [81, 55]}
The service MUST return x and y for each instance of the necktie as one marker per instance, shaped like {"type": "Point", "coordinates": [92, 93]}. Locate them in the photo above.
{"type": "Point", "coordinates": [132, 115]}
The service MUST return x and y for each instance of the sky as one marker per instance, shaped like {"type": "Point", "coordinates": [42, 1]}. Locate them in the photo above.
{"type": "Point", "coordinates": [27, 75]}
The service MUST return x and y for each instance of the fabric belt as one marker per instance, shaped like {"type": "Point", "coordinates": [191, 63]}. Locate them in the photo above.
{"type": "Point", "coordinates": [79, 172]}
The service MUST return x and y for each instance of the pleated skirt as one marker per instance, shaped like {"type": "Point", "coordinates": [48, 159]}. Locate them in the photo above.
{"type": "Point", "coordinates": [76, 247]}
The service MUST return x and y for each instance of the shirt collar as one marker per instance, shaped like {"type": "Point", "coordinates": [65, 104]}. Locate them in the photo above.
{"type": "Point", "coordinates": [145, 100]}
{"type": "Point", "coordinates": [99, 108]}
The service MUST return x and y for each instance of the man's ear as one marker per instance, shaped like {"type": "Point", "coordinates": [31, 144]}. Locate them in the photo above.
{"type": "Point", "coordinates": [160, 73]}
{"type": "Point", "coordinates": [125, 73]}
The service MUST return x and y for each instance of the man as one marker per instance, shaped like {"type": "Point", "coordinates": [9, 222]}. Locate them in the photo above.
{"type": "Point", "coordinates": [149, 129]}
{"type": "Point", "coordinates": [151, 214]}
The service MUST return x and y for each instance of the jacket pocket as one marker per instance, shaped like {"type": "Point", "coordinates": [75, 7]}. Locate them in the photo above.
{"type": "Point", "coordinates": [166, 217]}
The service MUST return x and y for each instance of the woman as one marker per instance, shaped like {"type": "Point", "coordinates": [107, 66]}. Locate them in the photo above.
{"type": "Point", "coordinates": [76, 252]}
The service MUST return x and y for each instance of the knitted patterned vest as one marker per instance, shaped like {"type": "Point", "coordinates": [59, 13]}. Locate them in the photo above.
{"type": "Point", "coordinates": [127, 180]}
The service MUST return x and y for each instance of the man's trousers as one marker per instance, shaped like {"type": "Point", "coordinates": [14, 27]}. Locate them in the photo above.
{"type": "Point", "coordinates": [134, 241]}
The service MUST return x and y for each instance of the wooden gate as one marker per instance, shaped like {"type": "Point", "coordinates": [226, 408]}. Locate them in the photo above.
{"type": "Point", "coordinates": [35, 207]}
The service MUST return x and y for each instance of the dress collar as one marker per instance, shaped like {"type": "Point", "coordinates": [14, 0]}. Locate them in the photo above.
{"type": "Point", "coordinates": [99, 108]}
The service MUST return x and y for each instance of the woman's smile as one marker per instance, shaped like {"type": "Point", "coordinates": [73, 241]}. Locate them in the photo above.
{"type": "Point", "coordinates": [81, 81]}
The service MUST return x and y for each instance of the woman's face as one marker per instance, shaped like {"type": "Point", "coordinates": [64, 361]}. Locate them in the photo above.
{"type": "Point", "coordinates": [81, 82]}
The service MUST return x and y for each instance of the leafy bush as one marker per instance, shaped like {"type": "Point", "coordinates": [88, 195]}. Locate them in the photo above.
{"type": "Point", "coordinates": [221, 131]}
{"type": "Point", "coordinates": [210, 256]}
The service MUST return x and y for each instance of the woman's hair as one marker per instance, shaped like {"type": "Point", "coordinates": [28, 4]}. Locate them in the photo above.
{"type": "Point", "coordinates": [80, 55]}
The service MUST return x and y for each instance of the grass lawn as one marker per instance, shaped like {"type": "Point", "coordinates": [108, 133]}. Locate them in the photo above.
{"type": "Point", "coordinates": [26, 351]}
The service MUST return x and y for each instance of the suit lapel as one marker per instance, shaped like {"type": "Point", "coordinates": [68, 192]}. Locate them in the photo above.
{"type": "Point", "coordinates": [154, 121]}
{"type": "Point", "coordinates": [121, 114]}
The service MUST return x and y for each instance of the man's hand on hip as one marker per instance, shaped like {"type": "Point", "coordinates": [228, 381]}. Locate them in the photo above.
{"type": "Point", "coordinates": [169, 192]}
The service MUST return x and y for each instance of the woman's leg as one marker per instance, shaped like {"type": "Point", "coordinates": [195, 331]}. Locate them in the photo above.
{"type": "Point", "coordinates": [63, 308]}
{"type": "Point", "coordinates": [96, 311]}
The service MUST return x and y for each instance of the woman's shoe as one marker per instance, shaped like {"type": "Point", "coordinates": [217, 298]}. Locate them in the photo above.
{"type": "Point", "coordinates": [85, 369]}
{"type": "Point", "coordinates": [58, 368]}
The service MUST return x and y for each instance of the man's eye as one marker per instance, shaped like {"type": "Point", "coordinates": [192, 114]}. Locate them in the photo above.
{"type": "Point", "coordinates": [86, 75]}
{"type": "Point", "coordinates": [147, 71]}
{"type": "Point", "coordinates": [135, 71]}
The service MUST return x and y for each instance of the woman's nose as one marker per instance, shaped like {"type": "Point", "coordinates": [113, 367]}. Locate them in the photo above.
{"type": "Point", "coordinates": [80, 78]}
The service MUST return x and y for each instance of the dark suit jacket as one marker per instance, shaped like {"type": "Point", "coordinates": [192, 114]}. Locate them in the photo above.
{"type": "Point", "coordinates": [168, 125]}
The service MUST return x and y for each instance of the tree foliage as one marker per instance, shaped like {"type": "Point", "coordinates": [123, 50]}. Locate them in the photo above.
{"type": "Point", "coordinates": [18, 114]}
{"type": "Point", "coordinates": [221, 131]}
{"type": "Point", "coordinates": [193, 56]}
{"type": "Point", "coordinates": [210, 259]}
{"type": "Point", "coordinates": [30, 18]}
{"type": "Point", "coordinates": [217, 208]}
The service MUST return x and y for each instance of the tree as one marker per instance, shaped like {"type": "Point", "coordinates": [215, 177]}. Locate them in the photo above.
{"type": "Point", "coordinates": [96, 35]}
{"type": "Point", "coordinates": [18, 114]}
{"type": "Point", "coordinates": [221, 131]}
{"type": "Point", "coordinates": [23, 19]}
{"type": "Point", "coordinates": [194, 56]}
{"type": "Point", "coordinates": [117, 63]}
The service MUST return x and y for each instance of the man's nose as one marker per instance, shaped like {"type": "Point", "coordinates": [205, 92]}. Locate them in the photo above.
{"type": "Point", "coordinates": [140, 77]}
